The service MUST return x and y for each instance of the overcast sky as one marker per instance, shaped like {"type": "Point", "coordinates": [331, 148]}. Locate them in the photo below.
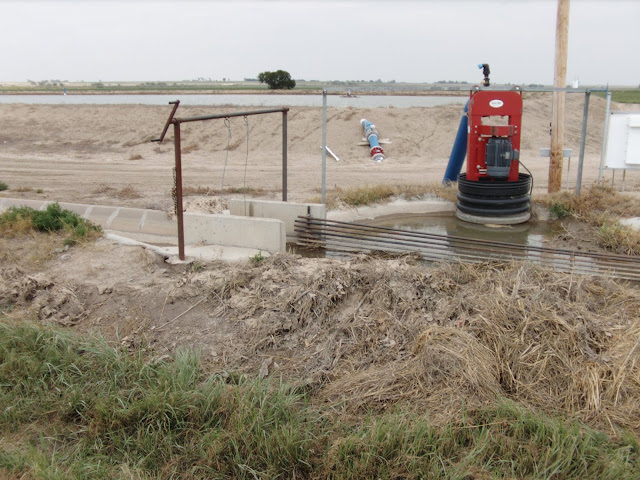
{"type": "Point", "coordinates": [402, 40]}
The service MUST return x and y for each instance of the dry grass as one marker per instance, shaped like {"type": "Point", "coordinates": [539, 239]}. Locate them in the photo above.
{"type": "Point", "coordinates": [374, 334]}
{"type": "Point", "coordinates": [359, 196]}
{"type": "Point", "coordinates": [594, 202]}
{"type": "Point", "coordinates": [602, 207]}
{"type": "Point", "coordinates": [190, 148]}
{"type": "Point", "coordinates": [103, 189]}
{"type": "Point", "coordinates": [137, 156]}
{"type": "Point", "coordinates": [204, 190]}
{"type": "Point", "coordinates": [128, 192]}
{"type": "Point", "coordinates": [31, 250]}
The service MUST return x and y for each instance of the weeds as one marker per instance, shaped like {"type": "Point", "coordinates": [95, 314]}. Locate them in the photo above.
{"type": "Point", "coordinates": [203, 190]}
{"type": "Point", "coordinates": [360, 196]}
{"type": "Point", "coordinates": [619, 238]}
{"type": "Point", "coordinates": [52, 219]}
{"type": "Point", "coordinates": [257, 258]}
{"type": "Point", "coordinates": [196, 267]}
{"type": "Point", "coordinates": [596, 206]}
{"type": "Point", "coordinates": [106, 413]}
{"type": "Point", "coordinates": [560, 210]}
{"type": "Point", "coordinates": [3, 186]}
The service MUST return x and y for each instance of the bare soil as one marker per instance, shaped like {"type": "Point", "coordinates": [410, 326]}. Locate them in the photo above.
{"type": "Point", "coordinates": [103, 154]}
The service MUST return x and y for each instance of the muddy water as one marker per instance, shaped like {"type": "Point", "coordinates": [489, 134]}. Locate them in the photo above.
{"type": "Point", "coordinates": [531, 234]}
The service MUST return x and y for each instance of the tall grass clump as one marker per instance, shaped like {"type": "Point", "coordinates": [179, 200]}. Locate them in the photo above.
{"type": "Point", "coordinates": [600, 206]}
{"type": "Point", "coordinates": [74, 407]}
{"type": "Point", "coordinates": [3, 186]}
{"type": "Point", "coordinates": [102, 408]}
{"type": "Point", "coordinates": [52, 219]}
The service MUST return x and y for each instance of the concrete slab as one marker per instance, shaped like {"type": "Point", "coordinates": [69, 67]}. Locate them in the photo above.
{"type": "Point", "coordinates": [192, 253]}
{"type": "Point", "coordinates": [287, 212]}
{"type": "Point", "coordinates": [265, 234]}
{"type": "Point", "coordinates": [633, 222]}
{"type": "Point", "coordinates": [398, 207]}
{"type": "Point", "coordinates": [154, 226]}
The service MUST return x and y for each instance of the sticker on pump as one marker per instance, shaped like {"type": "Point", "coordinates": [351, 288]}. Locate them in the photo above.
{"type": "Point", "coordinates": [496, 103]}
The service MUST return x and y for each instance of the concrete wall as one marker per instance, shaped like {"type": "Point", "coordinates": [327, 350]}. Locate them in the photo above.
{"type": "Point", "coordinates": [266, 234]}
{"type": "Point", "coordinates": [287, 212]}
{"type": "Point", "coordinates": [153, 226]}
{"type": "Point", "coordinates": [121, 219]}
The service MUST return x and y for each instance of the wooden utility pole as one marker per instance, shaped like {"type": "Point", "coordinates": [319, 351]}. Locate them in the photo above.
{"type": "Point", "coordinates": [557, 108]}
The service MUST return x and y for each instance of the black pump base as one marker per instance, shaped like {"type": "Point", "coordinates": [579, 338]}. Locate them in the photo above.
{"type": "Point", "coordinates": [494, 201]}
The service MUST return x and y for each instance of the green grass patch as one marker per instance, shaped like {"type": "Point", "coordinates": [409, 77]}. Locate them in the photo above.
{"type": "Point", "coordinates": [623, 96]}
{"type": "Point", "coordinates": [3, 186]}
{"type": "Point", "coordinates": [76, 407]}
{"type": "Point", "coordinates": [52, 219]}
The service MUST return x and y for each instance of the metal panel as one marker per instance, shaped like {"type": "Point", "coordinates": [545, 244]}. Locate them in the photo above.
{"type": "Point", "coordinates": [623, 141]}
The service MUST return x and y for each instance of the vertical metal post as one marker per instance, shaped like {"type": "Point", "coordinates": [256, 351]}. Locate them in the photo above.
{"type": "Point", "coordinates": [605, 135]}
{"type": "Point", "coordinates": [178, 150]}
{"type": "Point", "coordinates": [284, 155]}
{"type": "Point", "coordinates": [583, 140]}
{"type": "Point", "coordinates": [324, 144]}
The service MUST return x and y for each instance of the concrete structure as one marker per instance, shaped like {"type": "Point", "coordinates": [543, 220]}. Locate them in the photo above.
{"type": "Point", "coordinates": [235, 233]}
{"type": "Point", "coordinates": [287, 212]}
{"type": "Point", "coordinates": [259, 233]}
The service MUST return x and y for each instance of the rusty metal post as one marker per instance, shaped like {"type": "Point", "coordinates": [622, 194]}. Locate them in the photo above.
{"type": "Point", "coordinates": [284, 155]}
{"type": "Point", "coordinates": [178, 151]}
{"type": "Point", "coordinates": [175, 104]}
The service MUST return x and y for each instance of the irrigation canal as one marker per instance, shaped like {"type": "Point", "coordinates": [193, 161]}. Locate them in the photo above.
{"type": "Point", "coordinates": [346, 237]}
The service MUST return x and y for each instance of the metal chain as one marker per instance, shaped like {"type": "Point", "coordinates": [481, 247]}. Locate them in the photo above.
{"type": "Point", "coordinates": [174, 192]}
{"type": "Point", "coordinates": [246, 161]}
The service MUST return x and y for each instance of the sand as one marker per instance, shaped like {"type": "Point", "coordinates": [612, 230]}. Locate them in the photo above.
{"type": "Point", "coordinates": [103, 154]}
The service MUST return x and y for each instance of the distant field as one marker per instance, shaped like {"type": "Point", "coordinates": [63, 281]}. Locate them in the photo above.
{"type": "Point", "coordinates": [624, 95]}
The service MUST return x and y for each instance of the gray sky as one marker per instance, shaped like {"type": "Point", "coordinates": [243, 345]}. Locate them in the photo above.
{"type": "Point", "coordinates": [402, 40]}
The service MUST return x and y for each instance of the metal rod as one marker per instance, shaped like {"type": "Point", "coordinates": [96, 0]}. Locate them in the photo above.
{"type": "Point", "coordinates": [605, 135]}
{"type": "Point", "coordinates": [229, 115]}
{"type": "Point", "coordinates": [372, 228]}
{"type": "Point", "coordinates": [446, 245]}
{"type": "Point", "coordinates": [324, 145]}
{"type": "Point", "coordinates": [284, 155]}
{"type": "Point", "coordinates": [357, 237]}
{"type": "Point", "coordinates": [178, 151]}
{"type": "Point", "coordinates": [427, 251]}
{"type": "Point", "coordinates": [583, 140]}
{"type": "Point", "coordinates": [175, 104]}
{"type": "Point", "coordinates": [446, 252]}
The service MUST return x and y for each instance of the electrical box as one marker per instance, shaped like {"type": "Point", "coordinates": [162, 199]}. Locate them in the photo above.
{"type": "Point", "coordinates": [623, 141]}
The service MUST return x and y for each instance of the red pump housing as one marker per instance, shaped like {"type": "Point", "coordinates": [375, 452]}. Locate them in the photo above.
{"type": "Point", "coordinates": [484, 137]}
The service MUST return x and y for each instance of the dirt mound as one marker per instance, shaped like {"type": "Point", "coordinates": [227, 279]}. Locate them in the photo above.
{"type": "Point", "coordinates": [366, 333]}
{"type": "Point", "coordinates": [103, 153]}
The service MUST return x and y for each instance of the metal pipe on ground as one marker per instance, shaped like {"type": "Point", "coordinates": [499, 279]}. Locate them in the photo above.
{"type": "Point", "coordinates": [347, 237]}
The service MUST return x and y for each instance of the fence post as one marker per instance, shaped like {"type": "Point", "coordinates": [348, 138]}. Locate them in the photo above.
{"type": "Point", "coordinates": [583, 140]}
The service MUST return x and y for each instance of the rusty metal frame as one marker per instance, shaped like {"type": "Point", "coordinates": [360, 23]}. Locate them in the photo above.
{"type": "Point", "coordinates": [176, 122]}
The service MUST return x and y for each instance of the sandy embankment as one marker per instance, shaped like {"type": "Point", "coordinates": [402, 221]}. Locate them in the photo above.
{"type": "Point", "coordinates": [90, 153]}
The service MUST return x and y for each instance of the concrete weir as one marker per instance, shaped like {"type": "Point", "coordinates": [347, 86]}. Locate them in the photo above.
{"type": "Point", "coordinates": [207, 236]}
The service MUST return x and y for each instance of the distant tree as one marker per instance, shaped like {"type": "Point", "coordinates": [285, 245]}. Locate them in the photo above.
{"type": "Point", "coordinates": [278, 80]}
